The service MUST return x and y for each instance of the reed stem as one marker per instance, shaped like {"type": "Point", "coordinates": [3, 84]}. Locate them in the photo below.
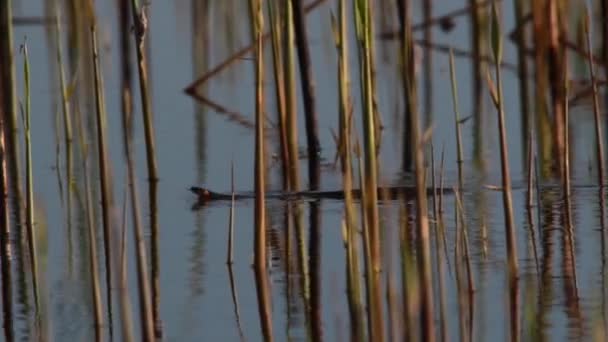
{"type": "Point", "coordinates": [29, 218]}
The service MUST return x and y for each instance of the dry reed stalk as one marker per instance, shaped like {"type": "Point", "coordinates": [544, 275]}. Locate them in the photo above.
{"type": "Point", "coordinates": [5, 229]}
{"type": "Point", "coordinates": [555, 57]}
{"type": "Point", "coordinates": [308, 93]}
{"type": "Point", "coordinates": [264, 297]}
{"type": "Point", "coordinates": [408, 80]}
{"type": "Point", "coordinates": [423, 242]}
{"type": "Point", "coordinates": [539, 41]}
{"type": "Point", "coordinates": [427, 66]}
{"type": "Point", "coordinates": [371, 225]}
{"type": "Point", "coordinates": [257, 23]}
{"type": "Point", "coordinates": [9, 107]}
{"type": "Point", "coordinates": [67, 124]}
{"type": "Point", "coordinates": [599, 134]}
{"type": "Point", "coordinates": [529, 202]}
{"type": "Point", "coordinates": [511, 242]}
{"type": "Point", "coordinates": [604, 16]}
{"type": "Point", "coordinates": [522, 69]}
{"type": "Point", "coordinates": [102, 153]}
{"type": "Point", "coordinates": [291, 105]}
{"type": "Point", "coordinates": [278, 68]}
{"type": "Point", "coordinates": [143, 285]}
{"type": "Point", "coordinates": [91, 238]}
{"type": "Point", "coordinates": [140, 23]}
{"type": "Point", "coordinates": [344, 148]}
{"type": "Point", "coordinates": [123, 276]}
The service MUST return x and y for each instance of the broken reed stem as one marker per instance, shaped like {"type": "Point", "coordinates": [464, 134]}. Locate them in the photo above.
{"type": "Point", "coordinates": [140, 23]}
{"type": "Point", "coordinates": [67, 122]}
{"type": "Point", "coordinates": [308, 92]}
{"type": "Point", "coordinates": [599, 135]}
{"type": "Point", "coordinates": [257, 22]}
{"type": "Point", "coordinates": [106, 200]}
{"type": "Point", "coordinates": [504, 152]}
{"type": "Point", "coordinates": [29, 217]}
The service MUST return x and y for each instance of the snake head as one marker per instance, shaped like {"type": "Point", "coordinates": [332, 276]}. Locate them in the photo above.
{"type": "Point", "coordinates": [203, 194]}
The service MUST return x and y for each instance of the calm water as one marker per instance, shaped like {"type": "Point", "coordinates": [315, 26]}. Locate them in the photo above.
{"type": "Point", "coordinates": [195, 146]}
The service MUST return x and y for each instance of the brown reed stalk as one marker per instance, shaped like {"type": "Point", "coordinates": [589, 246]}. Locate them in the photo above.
{"type": "Point", "coordinates": [344, 148]}
{"type": "Point", "coordinates": [67, 123]}
{"type": "Point", "coordinates": [143, 285]}
{"type": "Point", "coordinates": [504, 152]}
{"type": "Point", "coordinates": [140, 22]}
{"type": "Point", "coordinates": [91, 238]}
{"type": "Point", "coordinates": [529, 202]}
{"type": "Point", "coordinates": [370, 184]}
{"type": "Point", "coordinates": [291, 105]}
{"type": "Point", "coordinates": [308, 93]}
{"type": "Point", "coordinates": [427, 65]}
{"type": "Point", "coordinates": [604, 16]}
{"type": "Point", "coordinates": [106, 197]}
{"type": "Point", "coordinates": [257, 27]}
{"type": "Point", "coordinates": [278, 68]}
{"type": "Point", "coordinates": [599, 134]}
{"type": "Point", "coordinates": [423, 241]}
{"type": "Point", "coordinates": [566, 179]}
{"type": "Point", "coordinates": [5, 228]}
{"type": "Point", "coordinates": [9, 107]}
{"type": "Point", "coordinates": [29, 205]}
{"type": "Point", "coordinates": [408, 79]}
{"type": "Point", "coordinates": [522, 68]}
{"type": "Point", "coordinates": [555, 63]}
{"type": "Point", "coordinates": [126, 321]}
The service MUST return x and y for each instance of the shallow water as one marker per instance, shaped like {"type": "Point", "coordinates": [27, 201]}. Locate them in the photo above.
{"type": "Point", "coordinates": [196, 145]}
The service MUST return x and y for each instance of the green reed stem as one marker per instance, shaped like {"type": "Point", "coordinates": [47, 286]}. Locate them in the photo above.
{"type": "Point", "coordinates": [29, 218]}
{"type": "Point", "coordinates": [5, 233]}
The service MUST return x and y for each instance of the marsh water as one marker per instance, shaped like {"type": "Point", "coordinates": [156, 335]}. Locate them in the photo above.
{"type": "Point", "coordinates": [196, 146]}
